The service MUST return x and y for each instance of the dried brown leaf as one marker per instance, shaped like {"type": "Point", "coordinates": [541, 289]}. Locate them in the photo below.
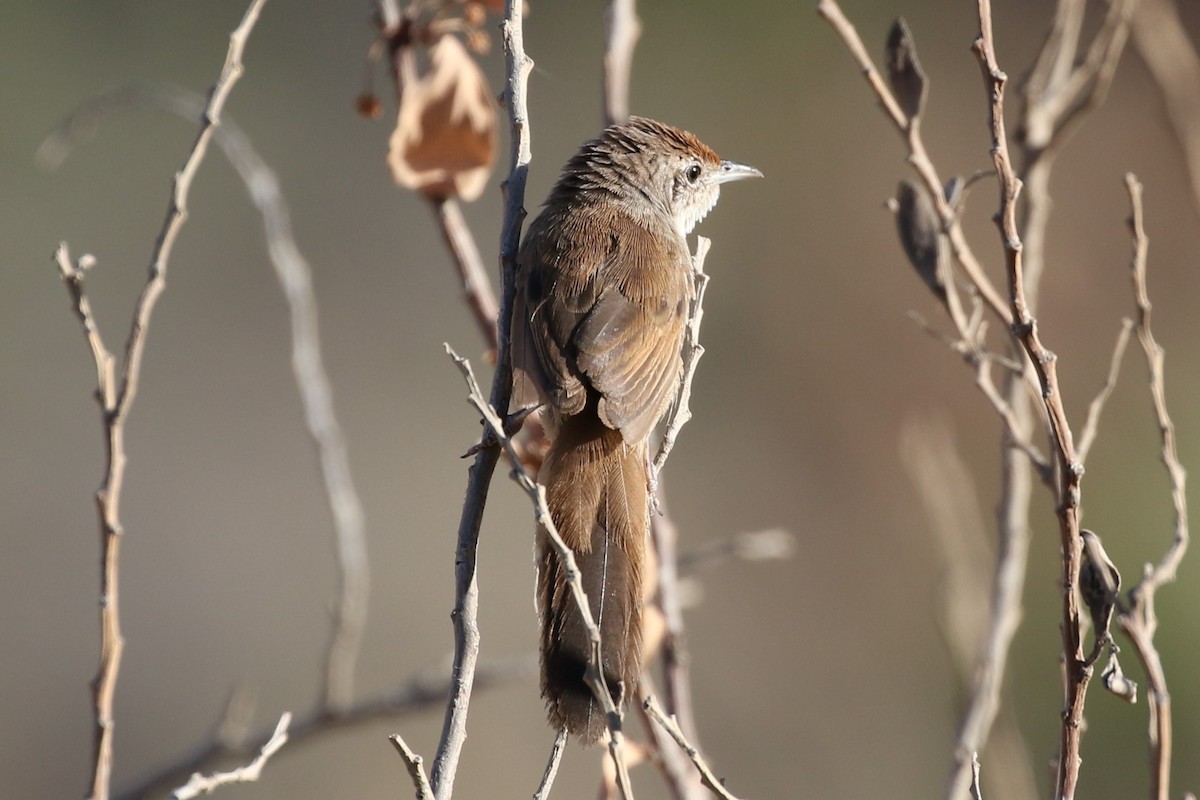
{"type": "Point", "coordinates": [917, 224]}
{"type": "Point", "coordinates": [904, 70]}
{"type": "Point", "coordinates": [445, 136]}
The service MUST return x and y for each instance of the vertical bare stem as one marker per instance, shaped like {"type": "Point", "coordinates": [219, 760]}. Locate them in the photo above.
{"type": "Point", "coordinates": [624, 29]}
{"type": "Point", "coordinates": [466, 605]}
{"type": "Point", "coordinates": [1070, 471]}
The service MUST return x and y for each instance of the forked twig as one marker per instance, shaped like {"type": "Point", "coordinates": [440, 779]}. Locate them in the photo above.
{"type": "Point", "coordinates": [594, 675]}
{"type": "Point", "coordinates": [416, 767]}
{"type": "Point", "coordinates": [116, 398]}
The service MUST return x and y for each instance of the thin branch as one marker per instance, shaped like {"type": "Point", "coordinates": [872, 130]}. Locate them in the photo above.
{"type": "Point", "coordinates": [416, 695]}
{"type": "Point", "coordinates": [1137, 617]}
{"type": "Point", "coordinates": [416, 767]}
{"type": "Point", "coordinates": [981, 362]}
{"type": "Point", "coordinates": [593, 675]}
{"type": "Point", "coordinates": [116, 400]}
{"type": "Point", "coordinates": [556, 754]}
{"type": "Point", "coordinates": [1162, 41]}
{"type": "Point", "coordinates": [918, 158]}
{"type": "Point", "coordinates": [978, 629]}
{"type": "Point", "coordinates": [477, 288]}
{"type": "Point", "coordinates": [466, 586]}
{"type": "Point", "coordinates": [1088, 436]}
{"type": "Point", "coordinates": [976, 790]}
{"type": "Point", "coordinates": [681, 410]}
{"type": "Point", "coordinates": [316, 395]}
{"type": "Point", "coordinates": [676, 659]}
{"type": "Point", "coordinates": [200, 784]}
{"type": "Point", "coordinates": [1070, 469]}
{"type": "Point", "coordinates": [766, 545]}
{"type": "Point", "coordinates": [669, 725]}
{"type": "Point", "coordinates": [623, 28]}
{"type": "Point", "coordinates": [1058, 99]}
{"type": "Point", "coordinates": [679, 774]}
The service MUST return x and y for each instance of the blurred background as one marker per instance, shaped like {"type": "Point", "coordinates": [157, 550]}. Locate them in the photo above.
{"type": "Point", "coordinates": [823, 675]}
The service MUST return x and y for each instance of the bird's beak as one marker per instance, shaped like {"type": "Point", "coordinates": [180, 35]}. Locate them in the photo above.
{"type": "Point", "coordinates": [732, 171]}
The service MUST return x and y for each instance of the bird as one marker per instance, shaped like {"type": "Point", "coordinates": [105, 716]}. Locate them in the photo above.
{"type": "Point", "coordinates": [603, 291]}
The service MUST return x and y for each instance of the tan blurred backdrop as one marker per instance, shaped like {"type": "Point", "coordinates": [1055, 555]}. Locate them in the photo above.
{"type": "Point", "coordinates": [822, 676]}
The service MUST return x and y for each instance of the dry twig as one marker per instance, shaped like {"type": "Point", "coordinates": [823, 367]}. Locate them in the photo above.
{"type": "Point", "coordinates": [466, 593]}
{"type": "Point", "coordinates": [1137, 617]}
{"type": "Point", "coordinates": [200, 784]}
{"type": "Point", "coordinates": [669, 725]}
{"type": "Point", "coordinates": [681, 411]}
{"type": "Point", "coordinates": [416, 767]}
{"type": "Point", "coordinates": [295, 278]}
{"type": "Point", "coordinates": [1162, 41]}
{"type": "Point", "coordinates": [556, 754]}
{"type": "Point", "coordinates": [1068, 467]}
{"type": "Point", "coordinates": [594, 675]}
{"type": "Point", "coordinates": [416, 695]}
{"type": "Point", "coordinates": [116, 399]}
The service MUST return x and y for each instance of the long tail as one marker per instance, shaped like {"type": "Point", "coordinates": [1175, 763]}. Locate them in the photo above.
{"type": "Point", "coordinates": [596, 490]}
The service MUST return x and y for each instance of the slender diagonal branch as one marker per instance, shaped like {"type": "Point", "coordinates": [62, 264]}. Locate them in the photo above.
{"type": "Point", "coordinates": [200, 784]}
{"type": "Point", "coordinates": [594, 674]}
{"type": "Point", "coordinates": [672, 728]}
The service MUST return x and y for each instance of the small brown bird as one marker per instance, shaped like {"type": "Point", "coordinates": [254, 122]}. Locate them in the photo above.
{"type": "Point", "coordinates": [604, 285]}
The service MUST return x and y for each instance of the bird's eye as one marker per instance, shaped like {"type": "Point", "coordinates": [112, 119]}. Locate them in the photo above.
{"type": "Point", "coordinates": [692, 173]}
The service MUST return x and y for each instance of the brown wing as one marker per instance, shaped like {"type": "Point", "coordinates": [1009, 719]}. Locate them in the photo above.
{"type": "Point", "coordinates": [545, 314]}
{"type": "Point", "coordinates": [602, 311]}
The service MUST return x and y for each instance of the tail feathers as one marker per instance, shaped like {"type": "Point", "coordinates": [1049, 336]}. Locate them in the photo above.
{"type": "Point", "coordinates": [596, 490]}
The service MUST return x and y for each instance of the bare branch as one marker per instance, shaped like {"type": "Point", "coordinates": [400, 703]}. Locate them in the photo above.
{"type": "Point", "coordinates": [1088, 436]}
{"type": "Point", "coordinates": [116, 400]}
{"type": "Point", "coordinates": [295, 279]}
{"type": "Point", "coordinates": [681, 411]}
{"type": "Point", "coordinates": [416, 767]}
{"type": "Point", "coordinates": [477, 288]}
{"type": "Point", "coordinates": [680, 775]}
{"type": "Point", "coordinates": [1057, 99]}
{"type": "Point", "coordinates": [200, 784]}
{"type": "Point", "coordinates": [1162, 41]}
{"type": "Point", "coordinates": [556, 754]}
{"type": "Point", "coordinates": [766, 545]}
{"type": "Point", "coordinates": [675, 656]}
{"type": "Point", "coordinates": [1069, 468]}
{"type": "Point", "coordinates": [1138, 618]}
{"type": "Point", "coordinates": [416, 695]}
{"type": "Point", "coordinates": [669, 725]}
{"type": "Point", "coordinates": [466, 586]}
{"type": "Point", "coordinates": [624, 29]}
{"type": "Point", "coordinates": [918, 158]}
{"type": "Point", "coordinates": [976, 791]}
{"type": "Point", "coordinates": [594, 675]}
